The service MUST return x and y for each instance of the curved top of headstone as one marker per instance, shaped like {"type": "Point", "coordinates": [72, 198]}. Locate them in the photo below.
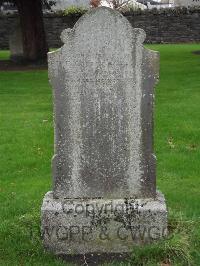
{"type": "Point", "coordinates": [98, 18]}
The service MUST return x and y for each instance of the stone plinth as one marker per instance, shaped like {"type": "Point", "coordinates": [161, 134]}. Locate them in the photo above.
{"type": "Point", "coordinates": [82, 226]}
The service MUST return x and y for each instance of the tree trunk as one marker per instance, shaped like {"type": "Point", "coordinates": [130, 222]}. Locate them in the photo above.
{"type": "Point", "coordinates": [31, 20]}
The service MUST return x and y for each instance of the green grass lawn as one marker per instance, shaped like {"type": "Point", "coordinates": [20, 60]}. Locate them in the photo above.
{"type": "Point", "coordinates": [26, 148]}
{"type": "Point", "coordinates": [4, 55]}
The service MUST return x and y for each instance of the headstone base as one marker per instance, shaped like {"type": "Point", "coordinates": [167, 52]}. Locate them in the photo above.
{"type": "Point", "coordinates": [101, 226]}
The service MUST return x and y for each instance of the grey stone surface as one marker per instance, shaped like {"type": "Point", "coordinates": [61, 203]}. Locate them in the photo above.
{"type": "Point", "coordinates": [186, 3]}
{"type": "Point", "coordinates": [100, 225]}
{"type": "Point", "coordinates": [103, 80]}
{"type": "Point", "coordinates": [16, 44]}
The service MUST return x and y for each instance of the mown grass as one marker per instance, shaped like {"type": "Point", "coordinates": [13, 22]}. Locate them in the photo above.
{"type": "Point", "coordinates": [26, 148]}
{"type": "Point", "coordinates": [4, 55]}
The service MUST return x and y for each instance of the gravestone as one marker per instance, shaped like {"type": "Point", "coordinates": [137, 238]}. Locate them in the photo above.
{"type": "Point", "coordinates": [104, 197]}
{"type": "Point", "coordinates": [16, 44]}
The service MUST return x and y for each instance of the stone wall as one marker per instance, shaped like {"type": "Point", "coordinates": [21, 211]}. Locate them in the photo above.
{"type": "Point", "coordinates": [7, 24]}
{"type": "Point", "coordinates": [161, 26]}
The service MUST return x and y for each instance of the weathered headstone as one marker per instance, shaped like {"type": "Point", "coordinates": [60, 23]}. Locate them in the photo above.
{"type": "Point", "coordinates": [104, 195]}
{"type": "Point", "coordinates": [16, 44]}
